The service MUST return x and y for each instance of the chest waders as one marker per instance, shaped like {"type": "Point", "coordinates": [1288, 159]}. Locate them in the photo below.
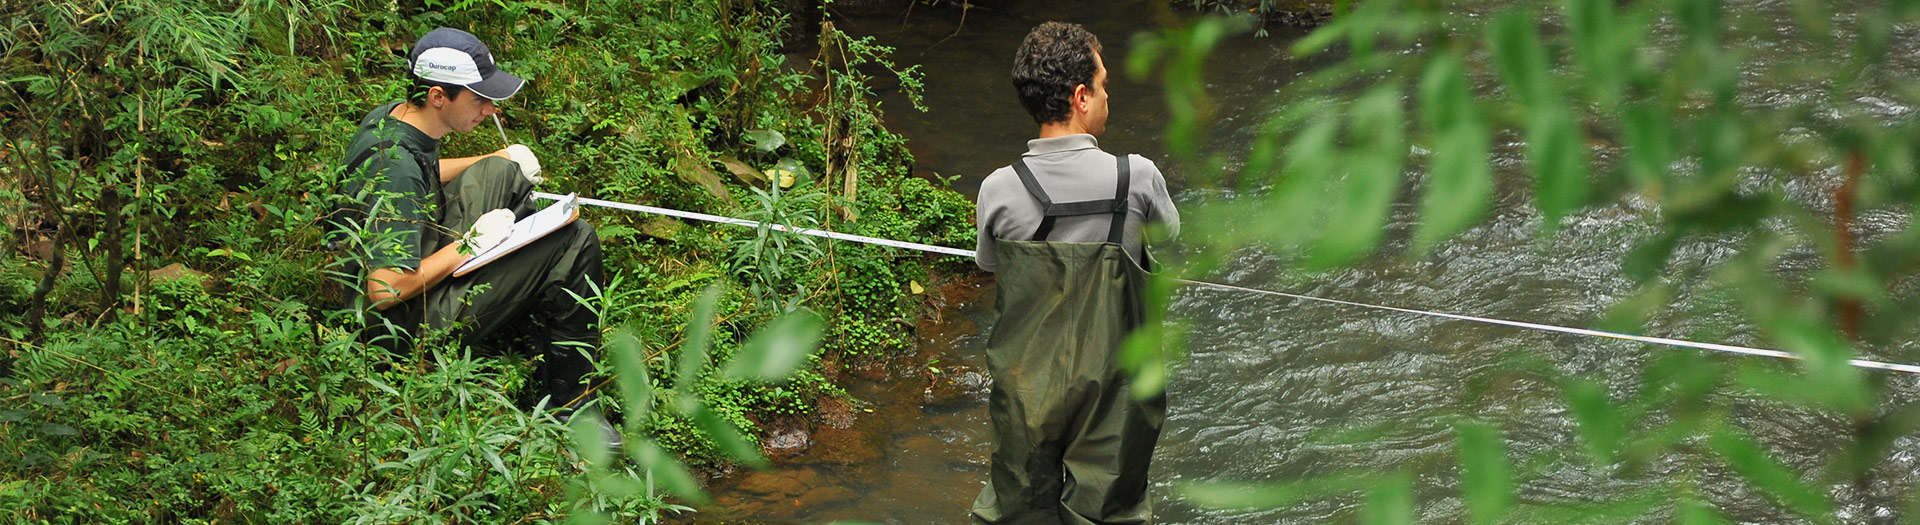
{"type": "Point", "coordinates": [1070, 445]}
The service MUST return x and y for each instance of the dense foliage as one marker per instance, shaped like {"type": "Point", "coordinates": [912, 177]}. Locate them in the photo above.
{"type": "Point", "coordinates": [1657, 110]}
{"type": "Point", "coordinates": [171, 349]}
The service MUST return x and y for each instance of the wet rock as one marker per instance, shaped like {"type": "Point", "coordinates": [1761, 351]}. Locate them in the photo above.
{"type": "Point", "coordinates": [850, 446]}
{"type": "Point", "coordinates": [835, 412]}
{"type": "Point", "coordinates": [661, 228]}
{"type": "Point", "coordinates": [827, 495]}
{"type": "Point", "coordinates": [780, 483]}
{"type": "Point", "coordinates": [177, 271]}
{"type": "Point", "coordinates": [872, 370]}
{"type": "Point", "coordinates": [785, 444]}
{"type": "Point", "coordinates": [41, 249]}
{"type": "Point", "coordinates": [744, 173]}
{"type": "Point", "coordinates": [694, 170]}
{"type": "Point", "coordinates": [958, 385]}
{"type": "Point", "coordinates": [919, 444]}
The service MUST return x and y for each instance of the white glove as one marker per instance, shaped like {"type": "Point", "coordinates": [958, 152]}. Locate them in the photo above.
{"type": "Point", "coordinates": [489, 230]}
{"type": "Point", "coordinates": [529, 165]}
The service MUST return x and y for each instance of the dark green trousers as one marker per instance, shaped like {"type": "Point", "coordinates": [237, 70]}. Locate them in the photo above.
{"type": "Point", "coordinates": [531, 291]}
{"type": "Point", "coordinates": [1070, 445]}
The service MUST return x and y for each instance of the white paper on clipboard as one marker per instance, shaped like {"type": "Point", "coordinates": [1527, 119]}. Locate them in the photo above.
{"type": "Point", "coordinates": [525, 231]}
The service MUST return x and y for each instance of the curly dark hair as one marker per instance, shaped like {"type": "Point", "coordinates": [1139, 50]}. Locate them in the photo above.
{"type": "Point", "coordinates": [1055, 57]}
{"type": "Point", "coordinates": [417, 90]}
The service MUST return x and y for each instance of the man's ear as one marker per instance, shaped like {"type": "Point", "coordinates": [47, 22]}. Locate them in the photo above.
{"type": "Point", "coordinates": [1080, 95]}
{"type": "Point", "coordinates": [436, 92]}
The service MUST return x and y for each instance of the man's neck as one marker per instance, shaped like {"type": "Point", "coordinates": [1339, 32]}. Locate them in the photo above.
{"type": "Point", "coordinates": [421, 119]}
{"type": "Point", "coordinates": [1061, 129]}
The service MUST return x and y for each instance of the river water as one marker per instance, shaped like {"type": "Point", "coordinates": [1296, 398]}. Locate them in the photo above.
{"type": "Point", "coordinates": [1268, 380]}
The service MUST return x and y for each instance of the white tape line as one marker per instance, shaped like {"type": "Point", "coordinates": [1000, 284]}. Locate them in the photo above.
{"type": "Point", "coordinates": [1576, 331]}
{"type": "Point", "coordinates": [1897, 367]}
{"type": "Point", "coordinates": [753, 224]}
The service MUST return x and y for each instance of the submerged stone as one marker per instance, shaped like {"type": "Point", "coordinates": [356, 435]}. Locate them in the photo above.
{"type": "Point", "coordinates": [957, 385]}
{"type": "Point", "coordinates": [787, 443]}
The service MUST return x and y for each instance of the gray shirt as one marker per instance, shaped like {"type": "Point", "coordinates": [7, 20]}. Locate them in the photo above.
{"type": "Point", "coordinates": [1070, 168]}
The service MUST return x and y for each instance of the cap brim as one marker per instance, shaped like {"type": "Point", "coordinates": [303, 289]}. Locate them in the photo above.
{"type": "Point", "coordinates": [499, 86]}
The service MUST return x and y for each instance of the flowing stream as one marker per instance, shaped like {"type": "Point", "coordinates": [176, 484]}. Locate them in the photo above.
{"type": "Point", "coordinates": [1267, 379]}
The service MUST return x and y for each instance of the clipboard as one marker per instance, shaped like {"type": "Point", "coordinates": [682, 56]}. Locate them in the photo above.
{"type": "Point", "coordinates": [525, 231]}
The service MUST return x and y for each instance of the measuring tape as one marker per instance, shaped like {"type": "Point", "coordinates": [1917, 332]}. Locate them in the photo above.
{"type": "Point", "coordinates": [755, 224]}
{"type": "Point", "coordinates": [1878, 365]}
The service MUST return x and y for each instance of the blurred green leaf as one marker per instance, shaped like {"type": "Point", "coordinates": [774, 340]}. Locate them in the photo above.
{"type": "Point", "coordinates": [1264, 153]}
{"type": "Point", "coordinates": [1558, 154]}
{"type": "Point", "coordinates": [693, 352]}
{"type": "Point", "coordinates": [1828, 375]}
{"type": "Point", "coordinates": [1776, 481]}
{"type": "Point", "coordinates": [1148, 48]}
{"type": "Point", "coordinates": [1358, 218]}
{"type": "Point", "coordinates": [1390, 502]}
{"type": "Point", "coordinates": [1643, 507]}
{"type": "Point", "coordinates": [636, 388]}
{"type": "Point", "coordinates": [1144, 355]}
{"type": "Point", "coordinates": [726, 437]}
{"type": "Point", "coordinates": [1459, 187]}
{"type": "Point", "coordinates": [1646, 260]}
{"type": "Point", "coordinates": [48, 398]}
{"type": "Point", "coordinates": [667, 470]}
{"type": "Point", "coordinates": [588, 518]}
{"type": "Point", "coordinates": [1650, 142]}
{"type": "Point", "coordinates": [1486, 478]}
{"type": "Point", "coordinates": [1877, 439]}
{"type": "Point", "coordinates": [1245, 495]}
{"type": "Point", "coordinates": [1700, 19]}
{"type": "Point", "coordinates": [766, 140]}
{"type": "Point", "coordinates": [1299, 194]}
{"type": "Point", "coordinates": [1696, 512]}
{"type": "Point", "coordinates": [1630, 314]}
{"type": "Point", "coordinates": [1875, 37]}
{"type": "Point", "coordinates": [589, 442]}
{"type": "Point", "coordinates": [57, 429]}
{"type": "Point", "coordinates": [1445, 99]}
{"type": "Point", "coordinates": [1601, 426]}
{"type": "Point", "coordinates": [1322, 38]}
{"type": "Point", "coordinates": [777, 349]}
{"type": "Point", "coordinates": [1589, 22]}
{"type": "Point", "coordinates": [1521, 58]}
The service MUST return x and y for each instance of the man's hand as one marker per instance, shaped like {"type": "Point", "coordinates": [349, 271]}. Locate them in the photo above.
{"type": "Point", "coordinates": [487, 232]}
{"type": "Point", "coordinates": [529, 165]}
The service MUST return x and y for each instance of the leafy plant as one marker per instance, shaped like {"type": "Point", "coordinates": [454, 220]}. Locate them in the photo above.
{"type": "Point", "coordinates": [773, 256]}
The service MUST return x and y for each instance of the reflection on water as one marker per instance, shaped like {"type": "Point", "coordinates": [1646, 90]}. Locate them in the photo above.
{"type": "Point", "coordinates": [1269, 380]}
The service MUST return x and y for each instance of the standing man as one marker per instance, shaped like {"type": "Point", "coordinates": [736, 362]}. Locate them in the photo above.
{"type": "Point", "coordinates": [407, 208]}
{"type": "Point", "coordinates": [1062, 227]}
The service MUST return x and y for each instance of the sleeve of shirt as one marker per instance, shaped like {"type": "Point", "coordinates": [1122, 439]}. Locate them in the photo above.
{"type": "Point", "coordinates": [983, 247]}
{"type": "Point", "coordinates": [989, 210]}
{"type": "Point", "coordinates": [1159, 203]}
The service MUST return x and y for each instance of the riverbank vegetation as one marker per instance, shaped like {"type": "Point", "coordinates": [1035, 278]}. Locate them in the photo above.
{"type": "Point", "coordinates": [169, 347]}
{"type": "Point", "coordinates": [1780, 137]}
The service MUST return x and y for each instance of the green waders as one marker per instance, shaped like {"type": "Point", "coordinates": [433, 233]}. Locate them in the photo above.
{"type": "Point", "coordinates": [1070, 444]}
{"type": "Point", "coordinates": [527, 290]}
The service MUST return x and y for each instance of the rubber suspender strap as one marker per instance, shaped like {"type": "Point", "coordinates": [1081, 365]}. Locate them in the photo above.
{"type": "Point", "coordinates": [1052, 210]}
{"type": "Point", "coordinates": [1119, 225]}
